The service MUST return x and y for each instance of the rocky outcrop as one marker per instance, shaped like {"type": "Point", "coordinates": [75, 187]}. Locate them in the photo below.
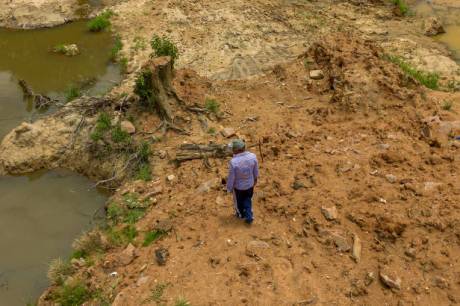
{"type": "Point", "coordinates": [433, 27]}
{"type": "Point", "coordinates": [27, 14]}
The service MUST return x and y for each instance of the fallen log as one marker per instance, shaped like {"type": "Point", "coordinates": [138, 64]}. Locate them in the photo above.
{"type": "Point", "coordinates": [40, 101]}
{"type": "Point", "coordinates": [191, 151]}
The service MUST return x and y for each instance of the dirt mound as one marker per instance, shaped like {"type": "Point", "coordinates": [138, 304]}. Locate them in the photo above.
{"type": "Point", "coordinates": [353, 204]}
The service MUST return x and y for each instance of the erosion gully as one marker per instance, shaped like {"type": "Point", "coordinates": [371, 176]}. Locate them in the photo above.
{"type": "Point", "coordinates": [42, 213]}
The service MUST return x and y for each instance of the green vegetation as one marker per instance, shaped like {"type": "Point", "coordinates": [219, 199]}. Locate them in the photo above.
{"type": "Point", "coordinates": [152, 236]}
{"type": "Point", "coordinates": [72, 294]}
{"type": "Point", "coordinates": [402, 6]}
{"type": "Point", "coordinates": [123, 65]}
{"type": "Point", "coordinates": [212, 106]}
{"type": "Point", "coordinates": [182, 302]}
{"type": "Point", "coordinates": [144, 173]}
{"type": "Point", "coordinates": [103, 124]}
{"type": "Point", "coordinates": [61, 48]}
{"type": "Point", "coordinates": [212, 131]}
{"type": "Point", "coordinates": [122, 237]}
{"type": "Point", "coordinates": [447, 105]}
{"type": "Point", "coordinates": [100, 22]}
{"type": "Point", "coordinates": [58, 271]}
{"type": "Point", "coordinates": [88, 243]}
{"type": "Point", "coordinates": [427, 79]}
{"type": "Point", "coordinates": [139, 43]}
{"type": "Point", "coordinates": [117, 46]}
{"type": "Point", "coordinates": [120, 136]}
{"type": "Point", "coordinates": [143, 88]}
{"type": "Point", "coordinates": [162, 46]}
{"type": "Point", "coordinates": [72, 93]}
{"type": "Point", "coordinates": [157, 292]}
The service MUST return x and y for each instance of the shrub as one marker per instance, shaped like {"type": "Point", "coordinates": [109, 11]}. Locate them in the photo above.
{"type": "Point", "coordinates": [100, 22]}
{"type": "Point", "coordinates": [144, 152]}
{"type": "Point", "coordinates": [72, 294]}
{"type": "Point", "coordinates": [89, 242]}
{"type": "Point", "coordinates": [212, 106]}
{"type": "Point", "coordinates": [143, 88]}
{"type": "Point", "coordinates": [123, 65]}
{"type": "Point", "coordinates": [72, 93]}
{"type": "Point", "coordinates": [212, 131]}
{"type": "Point", "coordinates": [122, 237]}
{"type": "Point", "coordinates": [427, 79]}
{"type": "Point", "coordinates": [162, 46]}
{"type": "Point", "coordinates": [114, 212]}
{"type": "Point", "coordinates": [58, 271]}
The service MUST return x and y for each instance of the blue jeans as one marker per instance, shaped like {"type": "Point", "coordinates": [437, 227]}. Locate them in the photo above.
{"type": "Point", "coordinates": [244, 204]}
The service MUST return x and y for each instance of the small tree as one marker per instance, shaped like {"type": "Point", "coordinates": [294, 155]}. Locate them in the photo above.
{"type": "Point", "coordinates": [162, 46]}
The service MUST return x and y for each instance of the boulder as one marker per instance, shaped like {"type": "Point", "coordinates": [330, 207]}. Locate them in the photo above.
{"type": "Point", "coordinates": [433, 27]}
{"type": "Point", "coordinates": [128, 127]}
{"type": "Point", "coordinates": [128, 255]}
{"type": "Point", "coordinates": [228, 132]}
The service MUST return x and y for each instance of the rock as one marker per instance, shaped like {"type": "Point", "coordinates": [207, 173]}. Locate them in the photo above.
{"type": "Point", "coordinates": [256, 248]}
{"type": "Point", "coordinates": [128, 127]}
{"type": "Point", "coordinates": [433, 27]}
{"type": "Point", "coordinates": [411, 252]}
{"type": "Point", "coordinates": [330, 213]}
{"type": "Point", "coordinates": [297, 185]}
{"type": "Point", "coordinates": [392, 282]}
{"type": "Point", "coordinates": [356, 252]}
{"type": "Point", "coordinates": [391, 178]}
{"type": "Point", "coordinates": [431, 186]}
{"type": "Point", "coordinates": [220, 200]}
{"type": "Point", "coordinates": [171, 178]}
{"type": "Point", "coordinates": [161, 256]}
{"type": "Point", "coordinates": [128, 255]}
{"type": "Point", "coordinates": [370, 277]}
{"type": "Point", "coordinates": [341, 243]}
{"type": "Point", "coordinates": [162, 154]}
{"type": "Point", "coordinates": [316, 74]}
{"type": "Point", "coordinates": [228, 132]}
{"type": "Point", "coordinates": [67, 50]}
{"type": "Point", "coordinates": [207, 186]}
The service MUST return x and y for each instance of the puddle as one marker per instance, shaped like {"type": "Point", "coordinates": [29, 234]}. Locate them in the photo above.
{"type": "Point", "coordinates": [28, 55]}
{"type": "Point", "coordinates": [40, 216]}
{"type": "Point", "coordinates": [452, 39]}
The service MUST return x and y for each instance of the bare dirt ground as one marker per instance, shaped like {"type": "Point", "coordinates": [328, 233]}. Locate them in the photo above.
{"type": "Point", "coordinates": [363, 141]}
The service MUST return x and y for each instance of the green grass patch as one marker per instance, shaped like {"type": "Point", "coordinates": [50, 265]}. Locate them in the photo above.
{"type": "Point", "coordinates": [103, 124]}
{"type": "Point", "coordinates": [117, 47]}
{"type": "Point", "coordinates": [139, 43]}
{"type": "Point", "coordinates": [182, 302]}
{"type": "Point", "coordinates": [162, 46]}
{"type": "Point", "coordinates": [122, 237]}
{"type": "Point", "coordinates": [100, 22]}
{"type": "Point", "coordinates": [72, 93]}
{"type": "Point", "coordinates": [61, 48]}
{"type": "Point", "coordinates": [152, 236]}
{"type": "Point", "coordinates": [427, 79]}
{"type": "Point", "coordinates": [71, 295]}
{"type": "Point", "coordinates": [144, 173]}
{"type": "Point", "coordinates": [212, 106]}
{"type": "Point", "coordinates": [120, 136]}
{"type": "Point", "coordinates": [212, 131]}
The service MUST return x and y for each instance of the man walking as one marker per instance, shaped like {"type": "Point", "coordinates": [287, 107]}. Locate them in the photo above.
{"type": "Point", "coordinates": [242, 177]}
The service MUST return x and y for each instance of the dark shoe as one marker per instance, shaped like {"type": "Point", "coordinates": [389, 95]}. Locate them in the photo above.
{"type": "Point", "coordinates": [248, 222]}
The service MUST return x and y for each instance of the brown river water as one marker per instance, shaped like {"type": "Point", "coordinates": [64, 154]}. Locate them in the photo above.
{"type": "Point", "coordinates": [42, 213]}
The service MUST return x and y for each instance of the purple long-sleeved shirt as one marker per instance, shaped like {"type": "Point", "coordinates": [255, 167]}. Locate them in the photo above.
{"type": "Point", "coordinates": [243, 171]}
